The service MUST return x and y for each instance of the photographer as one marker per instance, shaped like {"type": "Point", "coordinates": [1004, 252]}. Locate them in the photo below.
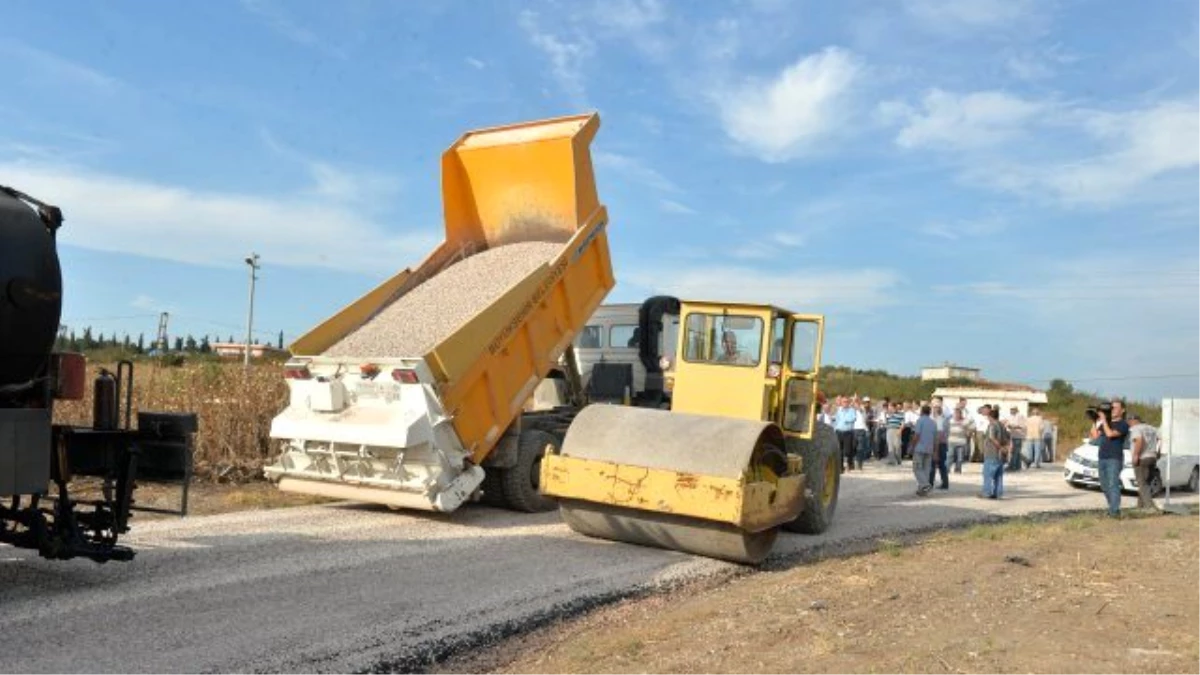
{"type": "Point", "coordinates": [1111, 434]}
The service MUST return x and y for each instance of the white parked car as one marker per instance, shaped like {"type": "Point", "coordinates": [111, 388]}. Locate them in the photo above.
{"type": "Point", "coordinates": [1082, 469]}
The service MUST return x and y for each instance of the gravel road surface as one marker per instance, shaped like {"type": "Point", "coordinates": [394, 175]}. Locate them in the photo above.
{"type": "Point", "coordinates": [358, 588]}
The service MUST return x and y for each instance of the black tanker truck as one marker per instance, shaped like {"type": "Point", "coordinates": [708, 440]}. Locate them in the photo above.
{"type": "Point", "coordinates": [42, 462]}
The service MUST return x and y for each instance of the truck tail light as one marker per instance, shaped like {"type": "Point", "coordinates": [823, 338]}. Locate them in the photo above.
{"type": "Point", "coordinates": [297, 371]}
{"type": "Point", "coordinates": [404, 376]}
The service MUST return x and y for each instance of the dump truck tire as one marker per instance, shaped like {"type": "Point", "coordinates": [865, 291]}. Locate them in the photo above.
{"type": "Point", "coordinates": [519, 483]}
{"type": "Point", "coordinates": [822, 482]}
{"type": "Point", "coordinates": [493, 487]}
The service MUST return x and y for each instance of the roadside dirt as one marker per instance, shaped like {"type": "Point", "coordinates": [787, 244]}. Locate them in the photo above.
{"type": "Point", "coordinates": [1078, 594]}
{"type": "Point", "coordinates": [206, 499]}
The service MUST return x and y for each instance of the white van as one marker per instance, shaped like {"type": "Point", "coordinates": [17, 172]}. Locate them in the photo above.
{"type": "Point", "coordinates": [613, 337]}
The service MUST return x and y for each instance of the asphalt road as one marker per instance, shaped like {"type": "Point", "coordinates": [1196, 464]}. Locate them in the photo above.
{"type": "Point", "coordinates": [359, 588]}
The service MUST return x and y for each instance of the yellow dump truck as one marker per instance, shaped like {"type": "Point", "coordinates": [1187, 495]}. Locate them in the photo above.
{"type": "Point", "coordinates": [422, 430]}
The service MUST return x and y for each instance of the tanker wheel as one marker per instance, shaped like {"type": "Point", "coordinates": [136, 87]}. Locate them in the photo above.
{"type": "Point", "coordinates": [520, 482]}
{"type": "Point", "coordinates": [822, 482]}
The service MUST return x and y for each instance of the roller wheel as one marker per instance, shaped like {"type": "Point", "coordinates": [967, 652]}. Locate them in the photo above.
{"type": "Point", "coordinates": [520, 482]}
{"type": "Point", "coordinates": [660, 530]}
{"type": "Point", "coordinates": [822, 481]}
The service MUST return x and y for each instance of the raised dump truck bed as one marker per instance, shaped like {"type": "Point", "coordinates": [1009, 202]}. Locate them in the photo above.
{"type": "Point", "coordinates": [413, 429]}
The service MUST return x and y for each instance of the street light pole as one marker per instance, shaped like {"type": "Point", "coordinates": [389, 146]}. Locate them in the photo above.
{"type": "Point", "coordinates": [252, 261]}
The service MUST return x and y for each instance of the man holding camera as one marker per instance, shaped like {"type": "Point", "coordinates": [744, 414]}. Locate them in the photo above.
{"type": "Point", "coordinates": [1111, 434]}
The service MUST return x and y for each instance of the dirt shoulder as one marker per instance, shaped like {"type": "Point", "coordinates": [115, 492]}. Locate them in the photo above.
{"type": "Point", "coordinates": [1076, 594]}
{"type": "Point", "coordinates": [207, 499]}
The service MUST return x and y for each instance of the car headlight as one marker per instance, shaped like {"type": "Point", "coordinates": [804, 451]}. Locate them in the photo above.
{"type": "Point", "coordinates": [1075, 457]}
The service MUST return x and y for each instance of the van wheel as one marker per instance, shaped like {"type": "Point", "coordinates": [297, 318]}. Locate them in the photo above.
{"type": "Point", "coordinates": [1193, 485]}
{"type": "Point", "coordinates": [520, 482]}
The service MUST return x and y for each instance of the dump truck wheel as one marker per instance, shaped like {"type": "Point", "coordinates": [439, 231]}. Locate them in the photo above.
{"type": "Point", "coordinates": [520, 482]}
{"type": "Point", "coordinates": [822, 482]}
{"type": "Point", "coordinates": [492, 487]}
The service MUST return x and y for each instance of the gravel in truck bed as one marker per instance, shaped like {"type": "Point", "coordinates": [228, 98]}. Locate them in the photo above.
{"type": "Point", "coordinates": [427, 314]}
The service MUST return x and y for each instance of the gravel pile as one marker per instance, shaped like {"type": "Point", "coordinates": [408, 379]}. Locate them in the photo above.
{"type": "Point", "coordinates": [418, 320]}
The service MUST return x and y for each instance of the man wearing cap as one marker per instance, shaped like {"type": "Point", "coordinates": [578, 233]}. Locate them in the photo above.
{"type": "Point", "coordinates": [1143, 443]}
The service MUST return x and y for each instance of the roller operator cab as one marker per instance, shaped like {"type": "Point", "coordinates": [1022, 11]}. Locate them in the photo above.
{"type": "Point", "coordinates": [739, 456]}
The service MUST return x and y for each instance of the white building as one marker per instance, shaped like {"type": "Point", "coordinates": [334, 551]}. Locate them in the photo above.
{"type": "Point", "coordinates": [949, 371]}
{"type": "Point", "coordinates": [1006, 396]}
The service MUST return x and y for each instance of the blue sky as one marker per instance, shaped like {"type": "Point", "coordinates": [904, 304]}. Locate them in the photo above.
{"type": "Point", "coordinates": [1006, 184]}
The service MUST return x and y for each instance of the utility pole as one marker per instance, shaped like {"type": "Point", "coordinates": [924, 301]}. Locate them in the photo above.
{"type": "Point", "coordinates": [162, 333]}
{"type": "Point", "coordinates": [252, 261]}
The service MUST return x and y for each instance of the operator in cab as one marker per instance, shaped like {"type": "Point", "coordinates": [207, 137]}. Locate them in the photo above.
{"type": "Point", "coordinates": [729, 351]}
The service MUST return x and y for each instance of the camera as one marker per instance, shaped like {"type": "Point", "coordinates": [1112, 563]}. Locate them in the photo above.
{"type": "Point", "coordinates": [1093, 411]}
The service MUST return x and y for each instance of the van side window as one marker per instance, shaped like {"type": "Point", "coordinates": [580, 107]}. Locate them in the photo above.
{"type": "Point", "coordinates": [590, 338]}
{"type": "Point", "coordinates": [624, 335]}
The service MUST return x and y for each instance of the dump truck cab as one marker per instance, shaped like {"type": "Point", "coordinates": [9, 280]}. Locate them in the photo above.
{"type": "Point", "coordinates": [738, 456]}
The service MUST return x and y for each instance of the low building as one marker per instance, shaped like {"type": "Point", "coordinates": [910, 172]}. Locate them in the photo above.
{"type": "Point", "coordinates": [948, 371]}
{"type": "Point", "coordinates": [1007, 396]}
{"type": "Point", "coordinates": [238, 350]}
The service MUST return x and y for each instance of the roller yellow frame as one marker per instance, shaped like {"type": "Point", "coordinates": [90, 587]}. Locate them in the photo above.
{"type": "Point", "coordinates": [738, 363]}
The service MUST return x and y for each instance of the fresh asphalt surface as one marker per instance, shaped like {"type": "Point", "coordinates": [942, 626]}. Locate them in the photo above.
{"type": "Point", "coordinates": [358, 588]}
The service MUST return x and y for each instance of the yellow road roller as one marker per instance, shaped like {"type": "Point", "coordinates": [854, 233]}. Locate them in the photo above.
{"type": "Point", "coordinates": [738, 456]}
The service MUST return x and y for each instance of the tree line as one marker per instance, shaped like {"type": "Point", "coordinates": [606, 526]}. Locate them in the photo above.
{"type": "Point", "coordinates": [87, 341]}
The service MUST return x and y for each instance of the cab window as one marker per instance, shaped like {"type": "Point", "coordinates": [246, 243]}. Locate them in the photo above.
{"type": "Point", "coordinates": [726, 339]}
{"type": "Point", "coordinates": [590, 338]}
{"type": "Point", "coordinates": [805, 335]}
{"type": "Point", "coordinates": [777, 336]}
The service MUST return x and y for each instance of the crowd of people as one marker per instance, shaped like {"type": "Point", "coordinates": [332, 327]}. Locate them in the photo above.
{"type": "Point", "coordinates": [938, 440]}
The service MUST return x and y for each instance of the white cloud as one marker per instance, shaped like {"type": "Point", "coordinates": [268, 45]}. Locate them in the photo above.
{"type": "Point", "coordinates": [109, 212]}
{"type": "Point", "coordinates": [475, 63]}
{"type": "Point", "coordinates": [1039, 64]}
{"type": "Point", "coordinates": [143, 301]}
{"type": "Point", "coordinates": [566, 56]}
{"type": "Point", "coordinates": [1159, 326]}
{"type": "Point", "coordinates": [1141, 146]}
{"type": "Point", "coordinates": [634, 170]}
{"type": "Point", "coordinates": [674, 207]}
{"type": "Point", "coordinates": [965, 229]}
{"type": "Point", "coordinates": [785, 117]}
{"type": "Point", "coordinates": [954, 16]}
{"type": "Point", "coordinates": [334, 182]}
{"type": "Point", "coordinates": [1191, 42]}
{"type": "Point", "coordinates": [858, 291]}
{"type": "Point", "coordinates": [629, 15]}
{"type": "Point", "coordinates": [280, 22]}
{"type": "Point", "coordinates": [48, 67]}
{"type": "Point", "coordinates": [947, 120]}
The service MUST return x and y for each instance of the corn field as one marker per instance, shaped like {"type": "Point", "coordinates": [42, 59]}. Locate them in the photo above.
{"type": "Point", "coordinates": [234, 406]}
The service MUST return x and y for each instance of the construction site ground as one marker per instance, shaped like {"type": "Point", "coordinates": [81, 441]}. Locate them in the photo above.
{"type": "Point", "coordinates": [1047, 594]}
{"type": "Point", "coordinates": [350, 587]}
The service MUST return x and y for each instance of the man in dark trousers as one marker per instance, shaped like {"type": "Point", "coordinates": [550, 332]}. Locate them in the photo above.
{"type": "Point", "coordinates": [1111, 434]}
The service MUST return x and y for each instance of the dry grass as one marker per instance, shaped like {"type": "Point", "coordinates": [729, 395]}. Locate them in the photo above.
{"type": "Point", "coordinates": [1078, 594]}
{"type": "Point", "coordinates": [235, 408]}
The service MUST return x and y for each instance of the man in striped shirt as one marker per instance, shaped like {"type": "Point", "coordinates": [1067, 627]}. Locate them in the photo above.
{"type": "Point", "coordinates": [895, 421]}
